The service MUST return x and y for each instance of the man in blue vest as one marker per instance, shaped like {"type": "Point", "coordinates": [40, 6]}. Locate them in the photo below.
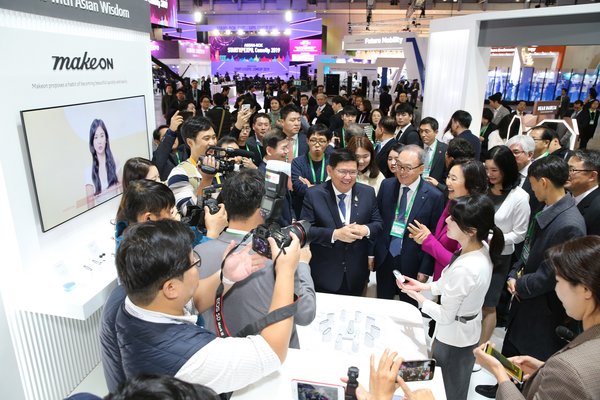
{"type": "Point", "coordinates": [157, 332]}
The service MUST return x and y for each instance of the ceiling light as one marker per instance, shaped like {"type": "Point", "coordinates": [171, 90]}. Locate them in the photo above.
{"type": "Point", "coordinates": [288, 16]}
{"type": "Point", "coordinates": [275, 32]}
{"type": "Point", "coordinates": [262, 31]}
{"type": "Point", "coordinates": [228, 32]}
{"type": "Point", "coordinates": [240, 32]}
{"type": "Point", "coordinates": [287, 32]}
{"type": "Point", "coordinates": [216, 32]}
{"type": "Point", "coordinates": [198, 17]}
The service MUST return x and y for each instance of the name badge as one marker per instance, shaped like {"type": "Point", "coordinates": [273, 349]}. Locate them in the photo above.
{"type": "Point", "coordinates": [426, 173]}
{"type": "Point", "coordinates": [398, 229]}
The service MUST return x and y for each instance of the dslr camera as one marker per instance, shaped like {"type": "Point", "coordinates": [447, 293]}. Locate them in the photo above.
{"type": "Point", "coordinates": [270, 209]}
{"type": "Point", "coordinates": [194, 216]}
{"type": "Point", "coordinates": [225, 160]}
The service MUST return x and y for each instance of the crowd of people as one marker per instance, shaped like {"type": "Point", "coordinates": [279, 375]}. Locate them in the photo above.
{"type": "Point", "coordinates": [498, 235]}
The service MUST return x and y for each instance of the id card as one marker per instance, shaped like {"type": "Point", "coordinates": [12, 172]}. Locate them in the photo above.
{"type": "Point", "coordinates": [398, 229]}
{"type": "Point", "coordinates": [425, 173]}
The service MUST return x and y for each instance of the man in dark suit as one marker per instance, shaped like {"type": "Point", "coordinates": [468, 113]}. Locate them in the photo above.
{"type": "Point", "coordinates": [167, 99]}
{"type": "Point", "coordinates": [406, 133]}
{"type": "Point", "coordinates": [385, 100]}
{"type": "Point", "coordinates": [335, 122]}
{"type": "Point", "coordinates": [345, 220]}
{"type": "Point", "coordinates": [565, 102]}
{"type": "Point", "coordinates": [435, 151]}
{"type": "Point", "coordinates": [459, 126]}
{"type": "Point", "coordinates": [402, 200]}
{"type": "Point", "coordinates": [312, 101]}
{"type": "Point", "coordinates": [290, 124]}
{"type": "Point", "coordinates": [219, 116]}
{"type": "Point", "coordinates": [261, 124]}
{"type": "Point", "coordinates": [587, 121]}
{"type": "Point", "coordinates": [584, 169]}
{"type": "Point", "coordinates": [324, 111]}
{"type": "Point", "coordinates": [384, 133]}
{"type": "Point", "coordinates": [307, 110]}
{"type": "Point", "coordinates": [341, 135]}
{"type": "Point", "coordinates": [194, 94]}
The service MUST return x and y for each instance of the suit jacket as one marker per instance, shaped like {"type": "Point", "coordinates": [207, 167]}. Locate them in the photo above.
{"type": "Point", "coordinates": [382, 156]}
{"type": "Point", "coordinates": [216, 115]}
{"type": "Point", "coordinates": [474, 140]}
{"type": "Point", "coordinates": [310, 112]}
{"type": "Point", "coordinates": [589, 208]}
{"type": "Point", "coordinates": [302, 145]}
{"type": "Point", "coordinates": [410, 136]}
{"type": "Point", "coordinates": [312, 101]}
{"type": "Point", "coordinates": [190, 96]}
{"type": "Point", "coordinates": [330, 261]}
{"type": "Point", "coordinates": [571, 373]}
{"type": "Point", "coordinates": [534, 317]}
{"type": "Point", "coordinates": [385, 102]}
{"type": "Point", "coordinates": [427, 208]}
{"type": "Point", "coordinates": [336, 124]}
{"type": "Point", "coordinates": [438, 165]}
{"type": "Point", "coordinates": [301, 168]}
{"type": "Point", "coordinates": [583, 122]}
{"type": "Point", "coordinates": [325, 116]}
{"type": "Point", "coordinates": [563, 109]}
{"type": "Point", "coordinates": [256, 148]}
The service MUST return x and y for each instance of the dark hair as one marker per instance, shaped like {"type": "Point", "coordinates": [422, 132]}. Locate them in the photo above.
{"type": "Point", "coordinates": [496, 97]}
{"type": "Point", "coordinates": [260, 115]}
{"type": "Point", "coordinates": [576, 261]}
{"type": "Point", "coordinates": [341, 155]}
{"type": "Point", "coordinates": [553, 168]}
{"type": "Point", "coordinates": [387, 124]}
{"type": "Point", "coordinates": [460, 148]}
{"type": "Point", "coordinates": [506, 162]}
{"type": "Point", "coordinates": [487, 114]}
{"type": "Point", "coordinates": [219, 99]}
{"type": "Point", "coordinates": [285, 98]}
{"type": "Point", "coordinates": [403, 108]}
{"type": "Point", "coordinates": [156, 132]}
{"type": "Point", "coordinates": [463, 118]}
{"type": "Point", "coordinates": [547, 133]}
{"type": "Point", "coordinates": [111, 166]}
{"type": "Point", "coordinates": [476, 181]}
{"type": "Point", "coordinates": [319, 129]}
{"type": "Point", "coordinates": [273, 137]}
{"type": "Point", "coordinates": [242, 193]}
{"type": "Point", "coordinates": [590, 158]}
{"type": "Point", "coordinates": [367, 106]}
{"type": "Point", "coordinates": [340, 100]}
{"type": "Point", "coordinates": [135, 168]}
{"type": "Point", "coordinates": [287, 109]}
{"type": "Point", "coordinates": [578, 102]}
{"type": "Point", "coordinates": [193, 126]}
{"type": "Point", "coordinates": [161, 387]}
{"type": "Point", "coordinates": [225, 140]}
{"type": "Point", "coordinates": [349, 110]}
{"type": "Point", "coordinates": [205, 97]}
{"type": "Point", "coordinates": [304, 95]}
{"type": "Point", "coordinates": [431, 122]}
{"type": "Point", "coordinates": [276, 99]}
{"type": "Point", "coordinates": [477, 212]}
{"type": "Point", "coordinates": [144, 196]}
{"type": "Point", "coordinates": [357, 142]}
{"type": "Point", "coordinates": [150, 254]}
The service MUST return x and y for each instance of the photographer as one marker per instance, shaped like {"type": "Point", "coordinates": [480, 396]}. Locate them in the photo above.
{"type": "Point", "coordinates": [229, 142]}
{"type": "Point", "coordinates": [242, 195]}
{"type": "Point", "coordinates": [170, 150]}
{"type": "Point", "coordinates": [157, 333]}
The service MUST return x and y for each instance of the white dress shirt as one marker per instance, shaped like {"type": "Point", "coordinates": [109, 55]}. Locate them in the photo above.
{"type": "Point", "coordinates": [513, 218]}
{"type": "Point", "coordinates": [347, 202]}
{"type": "Point", "coordinates": [584, 195]}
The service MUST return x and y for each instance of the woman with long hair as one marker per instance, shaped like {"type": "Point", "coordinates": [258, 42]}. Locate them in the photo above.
{"type": "Point", "coordinates": [364, 109]}
{"type": "Point", "coordinates": [462, 287]}
{"type": "Point", "coordinates": [368, 172]}
{"type": "Point", "coordinates": [104, 168]}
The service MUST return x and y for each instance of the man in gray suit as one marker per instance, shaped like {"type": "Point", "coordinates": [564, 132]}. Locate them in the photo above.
{"type": "Point", "coordinates": [249, 300]}
{"type": "Point", "coordinates": [435, 151]}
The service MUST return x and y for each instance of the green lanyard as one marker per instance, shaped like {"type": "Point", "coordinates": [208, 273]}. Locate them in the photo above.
{"type": "Point", "coordinates": [259, 152]}
{"type": "Point", "coordinates": [177, 156]}
{"type": "Point", "coordinates": [343, 138]}
{"type": "Point", "coordinates": [531, 226]}
{"type": "Point", "coordinates": [312, 167]}
{"type": "Point", "coordinates": [545, 154]}
{"type": "Point", "coordinates": [482, 131]}
{"type": "Point", "coordinates": [432, 155]}
{"type": "Point", "coordinates": [296, 147]}
{"type": "Point", "coordinates": [412, 201]}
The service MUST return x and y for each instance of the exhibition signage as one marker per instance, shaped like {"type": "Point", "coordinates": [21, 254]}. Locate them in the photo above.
{"type": "Point", "coordinates": [127, 14]}
{"type": "Point", "coordinates": [163, 12]}
{"type": "Point", "coordinates": [545, 107]}
{"type": "Point", "coordinates": [305, 49]}
{"type": "Point", "coordinates": [375, 42]}
{"type": "Point", "coordinates": [249, 48]}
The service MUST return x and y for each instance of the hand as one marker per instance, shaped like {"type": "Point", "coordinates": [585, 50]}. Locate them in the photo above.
{"type": "Point", "coordinates": [305, 254]}
{"type": "Point", "coordinates": [215, 223]}
{"type": "Point", "coordinates": [248, 163]}
{"type": "Point", "coordinates": [238, 266]}
{"type": "Point", "coordinates": [412, 285]}
{"type": "Point", "coordinates": [209, 161]}
{"type": "Point", "coordinates": [490, 363]}
{"type": "Point", "coordinates": [382, 381]}
{"type": "Point", "coordinates": [371, 263]}
{"type": "Point", "coordinates": [418, 231]}
{"type": "Point", "coordinates": [346, 234]}
{"type": "Point", "coordinates": [361, 230]}
{"type": "Point", "coordinates": [528, 364]}
{"type": "Point", "coordinates": [305, 181]}
{"type": "Point", "coordinates": [176, 120]}
{"type": "Point", "coordinates": [511, 285]}
{"type": "Point", "coordinates": [288, 260]}
{"type": "Point", "coordinates": [243, 116]}
{"type": "Point", "coordinates": [432, 181]}
{"type": "Point", "coordinates": [421, 277]}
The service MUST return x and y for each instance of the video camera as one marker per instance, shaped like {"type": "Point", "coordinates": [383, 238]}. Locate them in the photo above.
{"type": "Point", "coordinates": [224, 157]}
{"type": "Point", "coordinates": [270, 209]}
{"type": "Point", "coordinates": [195, 214]}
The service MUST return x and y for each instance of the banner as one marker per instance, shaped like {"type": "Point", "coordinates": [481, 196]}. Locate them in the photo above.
{"type": "Point", "coordinates": [250, 49]}
{"type": "Point", "coordinates": [305, 49]}
{"type": "Point", "coordinates": [163, 12]}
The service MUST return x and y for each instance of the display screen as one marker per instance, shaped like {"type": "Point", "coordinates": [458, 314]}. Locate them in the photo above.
{"type": "Point", "coordinates": [417, 370]}
{"type": "Point", "coordinates": [249, 48]}
{"type": "Point", "coordinates": [305, 49]}
{"type": "Point", "coordinates": [312, 391]}
{"type": "Point", "coordinates": [77, 152]}
{"type": "Point", "coordinates": [163, 12]}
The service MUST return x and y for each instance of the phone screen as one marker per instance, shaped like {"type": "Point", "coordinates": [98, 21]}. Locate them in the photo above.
{"type": "Point", "coordinates": [314, 391]}
{"type": "Point", "coordinates": [245, 107]}
{"type": "Point", "coordinates": [421, 370]}
{"type": "Point", "coordinates": [511, 368]}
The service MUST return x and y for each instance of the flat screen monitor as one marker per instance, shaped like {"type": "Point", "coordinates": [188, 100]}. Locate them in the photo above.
{"type": "Point", "coordinates": [77, 151]}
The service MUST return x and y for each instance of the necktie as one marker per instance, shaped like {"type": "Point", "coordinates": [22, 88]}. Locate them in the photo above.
{"type": "Point", "coordinates": [304, 110]}
{"type": "Point", "coordinates": [396, 242]}
{"type": "Point", "coordinates": [427, 156]}
{"type": "Point", "coordinates": [377, 148]}
{"type": "Point", "coordinates": [342, 206]}
{"type": "Point", "coordinates": [290, 157]}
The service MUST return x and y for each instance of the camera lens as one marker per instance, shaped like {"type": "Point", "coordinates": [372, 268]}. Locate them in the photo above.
{"type": "Point", "coordinates": [301, 229]}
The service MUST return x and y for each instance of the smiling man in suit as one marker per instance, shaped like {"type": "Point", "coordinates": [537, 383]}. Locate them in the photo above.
{"type": "Point", "coordinates": [402, 200]}
{"type": "Point", "coordinates": [406, 133]}
{"type": "Point", "coordinates": [435, 151]}
{"type": "Point", "coordinates": [584, 167]}
{"type": "Point", "coordinates": [344, 219]}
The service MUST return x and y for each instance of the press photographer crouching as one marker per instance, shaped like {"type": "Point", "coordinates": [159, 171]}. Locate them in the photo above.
{"type": "Point", "coordinates": [156, 329]}
{"type": "Point", "coordinates": [249, 300]}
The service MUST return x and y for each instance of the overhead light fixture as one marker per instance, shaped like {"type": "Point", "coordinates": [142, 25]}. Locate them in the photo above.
{"type": "Point", "coordinates": [240, 32]}
{"type": "Point", "coordinates": [275, 32]}
{"type": "Point", "coordinates": [198, 17]}
{"type": "Point", "coordinates": [262, 31]}
{"type": "Point", "coordinates": [216, 32]}
{"type": "Point", "coordinates": [228, 32]}
{"type": "Point", "coordinates": [287, 32]}
{"type": "Point", "coordinates": [288, 16]}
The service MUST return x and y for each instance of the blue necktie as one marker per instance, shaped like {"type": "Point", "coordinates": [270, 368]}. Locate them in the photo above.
{"type": "Point", "coordinates": [396, 242]}
{"type": "Point", "coordinates": [342, 206]}
{"type": "Point", "coordinates": [377, 148]}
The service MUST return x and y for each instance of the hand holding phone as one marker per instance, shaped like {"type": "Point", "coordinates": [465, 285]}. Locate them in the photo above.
{"type": "Point", "coordinates": [399, 276]}
{"type": "Point", "coordinates": [418, 370]}
{"type": "Point", "coordinates": [514, 371]}
{"type": "Point", "coordinates": [245, 107]}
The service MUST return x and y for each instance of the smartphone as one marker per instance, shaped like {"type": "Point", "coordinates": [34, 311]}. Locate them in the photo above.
{"type": "Point", "coordinates": [418, 370]}
{"type": "Point", "coordinates": [186, 114]}
{"type": "Point", "coordinates": [399, 276]}
{"type": "Point", "coordinates": [512, 369]}
{"type": "Point", "coordinates": [305, 390]}
{"type": "Point", "coordinates": [245, 107]}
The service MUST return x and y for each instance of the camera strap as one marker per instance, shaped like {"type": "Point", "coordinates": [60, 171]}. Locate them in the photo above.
{"type": "Point", "coordinates": [252, 328]}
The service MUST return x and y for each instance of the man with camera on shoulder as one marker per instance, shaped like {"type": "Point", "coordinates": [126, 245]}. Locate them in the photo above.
{"type": "Point", "coordinates": [249, 300]}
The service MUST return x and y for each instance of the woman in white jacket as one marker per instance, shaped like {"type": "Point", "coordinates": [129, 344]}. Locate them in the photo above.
{"type": "Point", "coordinates": [512, 217]}
{"type": "Point", "coordinates": [462, 287]}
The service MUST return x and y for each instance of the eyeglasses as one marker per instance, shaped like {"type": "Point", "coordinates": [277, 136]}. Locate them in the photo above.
{"type": "Point", "coordinates": [573, 170]}
{"type": "Point", "coordinates": [196, 258]}
{"type": "Point", "coordinates": [517, 153]}
{"type": "Point", "coordinates": [406, 168]}
{"type": "Point", "coordinates": [245, 128]}
{"type": "Point", "coordinates": [344, 172]}
{"type": "Point", "coordinates": [535, 140]}
{"type": "Point", "coordinates": [322, 142]}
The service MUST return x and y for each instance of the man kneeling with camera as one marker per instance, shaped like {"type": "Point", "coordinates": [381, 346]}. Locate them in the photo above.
{"type": "Point", "coordinates": [158, 334]}
{"type": "Point", "coordinates": [248, 301]}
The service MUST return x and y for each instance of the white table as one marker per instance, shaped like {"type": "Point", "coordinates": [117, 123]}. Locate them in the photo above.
{"type": "Point", "coordinates": [401, 329]}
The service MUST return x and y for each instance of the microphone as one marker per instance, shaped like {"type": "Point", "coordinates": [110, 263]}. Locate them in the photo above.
{"type": "Point", "coordinates": [564, 333]}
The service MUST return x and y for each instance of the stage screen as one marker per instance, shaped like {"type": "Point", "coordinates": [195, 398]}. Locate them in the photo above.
{"type": "Point", "coordinates": [163, 12]}
{"type": "Point", "coordinates": [304, 50]}
{"type": "Point", "coordinates": [77, 152]}
{"type": "Point", "coordinates": [249, 48]}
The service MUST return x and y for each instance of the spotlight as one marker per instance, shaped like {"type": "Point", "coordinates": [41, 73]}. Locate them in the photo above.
{"type": "Point", "coordinates": [288, 16]}
{"type": "Point", "coordinates": [216, 32]}
{"type": "Point", "coordinates": [287, 32]}
{"type": "Point", "coordinates": [198, 17]}
{"type": "Point", "coordinates": [275, 32]}
{"type": "Point", "coordinates": [228, 32]}
{"type": "Point", "coordinates": [262, 31]}
{"type": "Point", "coordinates": [240, 32]}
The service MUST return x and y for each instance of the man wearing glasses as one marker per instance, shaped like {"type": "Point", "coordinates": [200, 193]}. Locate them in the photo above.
{"type": "Point", "coordinates": [584, 167]}
{"type": "Point", "coordinates": [404, 199]}
{"type": "Point", "coordinates": [523, 147]}
{"type": "Point", "coordinates": [345, 220]}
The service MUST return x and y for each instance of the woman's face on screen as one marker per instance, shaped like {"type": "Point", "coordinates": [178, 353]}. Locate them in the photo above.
{"type": "Point", "coordinates": [99, 140]}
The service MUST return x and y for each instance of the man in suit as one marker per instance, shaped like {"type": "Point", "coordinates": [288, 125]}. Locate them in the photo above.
{"type": "Point", "coordinates": [167, 99]}
{"type": "Point", "coordinates": [435, 151]}
{"type": "Point", "coordinates": [406, 133]}
{"type": "Point", "coordinates": [384, 133]}
{"type": "Point", "coordinates": [341, 135]}
{"type": "Point", "coordinates": [565, 102]}
{"type": "Point", "coordinates": [307, 110]}
{"type": "Point", "coordinates": [242, 195]}
{"type": "Point", "coordinates": [402, 200]}
{"type": "Point", "coordinates": [499, 110]}
{"type": "Point", "coordinates": [219, 116]}
{"type": "Point", "coordinates": [587, 121]}
{"type": "Point", "coordinates": [290, 124]}
{"type": "Point", "coordinates": [345, 220]}
{"type": "Point", "coordinates": [459, 127]}
{"type": "Point", "coordinates": [261, 124]}
{"type": "Point", "coordinates": [385, 100]}
{"type": "Point", "coordinates": [521, 106]}
{"type": "Point", "coordinates": [194, 94]}
{"type": "Point", "coordinates": [584, 169]}
{"type": "Point", "coordinates": [324, 111]}
{"type": "Point", "coordinates": [205, 104]}
{"type": "Point", "coordinates": [337, 105]}
{"type": "Point", "coordinates": [523, 146]}
{"type": "Point", "coordinates": [312, 101]}
{"type": "Point", "coordinates": [577, 107]}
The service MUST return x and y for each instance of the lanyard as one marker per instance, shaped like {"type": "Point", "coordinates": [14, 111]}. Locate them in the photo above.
{"type": "Point", "coordinates": [177, 156]}
{"type": "Point", "coordinates": [258, 148]}
{"type": "Point", "coordinates": [296, 146]}
{"type": "Point", "coordinates": [529, 235]}
{"type": "Point", "coordinates": [432, 155]}
{"type": "Point", "coordinates": [545, 154]}
{"type": "Point", "coordinates": [343, 138]}
{"type": "Point", "coordinates": [412, 200]}
{"type": "Point", "coordinates": [312, 167]}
